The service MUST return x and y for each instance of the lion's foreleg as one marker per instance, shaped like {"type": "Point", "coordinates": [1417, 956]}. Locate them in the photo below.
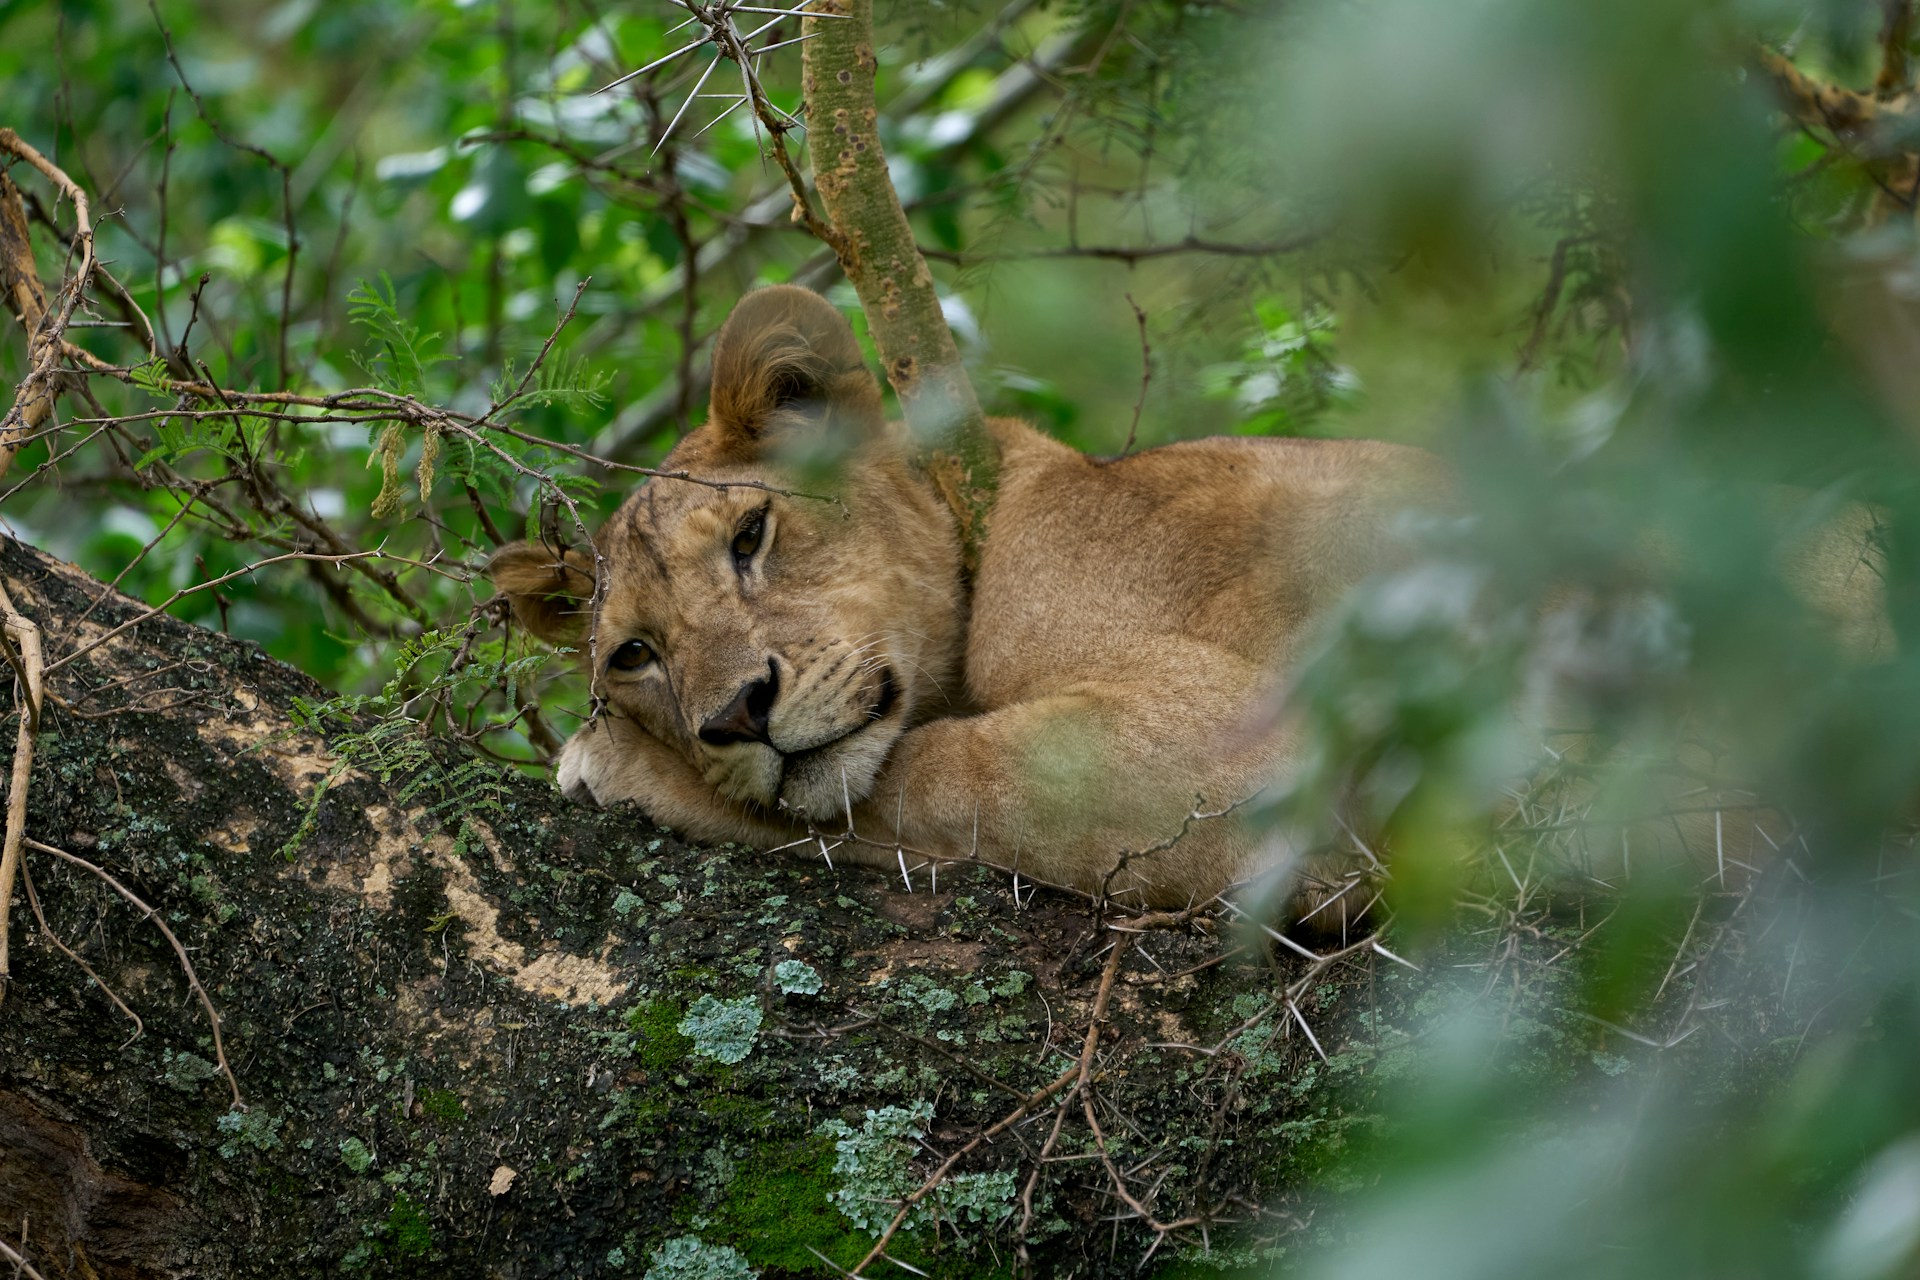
{"type": "Point", "coordinates": [1101, 789]}
{"type": "Point", "coordinates": [611, 759]}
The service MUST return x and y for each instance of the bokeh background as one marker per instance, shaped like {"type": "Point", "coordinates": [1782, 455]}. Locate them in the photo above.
{"type": "Point", "coordinates": [1652, 295]}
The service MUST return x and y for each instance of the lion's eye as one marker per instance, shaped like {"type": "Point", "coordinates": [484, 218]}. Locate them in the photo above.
{"type": "Point", "coordinates": [746, 540]}
{"type": "Point", "coordinates": [631, 656]}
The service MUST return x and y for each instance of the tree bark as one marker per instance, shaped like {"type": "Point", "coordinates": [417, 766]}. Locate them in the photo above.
{"type": "Point", "coordinates": [874, 241]}
{"type": "Point", "coordinates": [454, 1005]}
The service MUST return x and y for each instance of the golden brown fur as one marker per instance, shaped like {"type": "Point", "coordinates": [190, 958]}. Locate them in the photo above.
{"type": "Point", "coordinates": [1116, 669]}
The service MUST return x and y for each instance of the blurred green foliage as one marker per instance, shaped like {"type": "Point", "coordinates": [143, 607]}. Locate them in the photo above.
{"type": "Point", "coordinates": [1666, 337]}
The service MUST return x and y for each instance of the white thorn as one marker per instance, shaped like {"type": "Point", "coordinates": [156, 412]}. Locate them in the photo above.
{"type": "Point", "coordinates": [683, 108]}
{"type": "Point", "coordinates": [657, 62]}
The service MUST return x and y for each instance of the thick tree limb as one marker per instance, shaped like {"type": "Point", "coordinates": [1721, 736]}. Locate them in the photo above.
{"type": "Point", "coordinates": [458, 1006]}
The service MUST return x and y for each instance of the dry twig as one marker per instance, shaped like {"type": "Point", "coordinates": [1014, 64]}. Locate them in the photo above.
{"type": "Point", "coordinates": [29, 673]}
{"type": "Point", "coordinates": [21, 1267]}
{"type": "Point", "coordinates": [186, 962]}
{"type": "Point", "coordinates": [46, 330]}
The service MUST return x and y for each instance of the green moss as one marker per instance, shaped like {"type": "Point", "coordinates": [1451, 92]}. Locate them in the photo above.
{"type": "Point", "coordinates": [640, 1112]}
{"type": "Point", "coordinates": [777, 1212]}
{"type": "Point", "coordinates": [1222, 1264]}
{"type": "Point", "coordinates": [409, 1234]}
{"type": "Point", "coordinates": [443, 1104]}
{"type": "Point", "coordinates": [738, 1114]}
{"type": "Point", "coordinates": [657, 1041]}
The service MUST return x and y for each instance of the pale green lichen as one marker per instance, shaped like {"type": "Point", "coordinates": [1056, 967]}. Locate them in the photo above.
{"type": "Point", "coordinates": [356, 1155]}
{"type": "Point", "coordinates": [797, 978]}
{"type": "Point", "coordinates": [723, 1030]}
{"type": "Point", "coordinates": [185, 1071]}
{"type": "Point", "coordinates": [691, 1258]}
{"type": "Point", "coordinates": [875, 1165]}
{"type": "Point", "coordinates": [257, 1129]}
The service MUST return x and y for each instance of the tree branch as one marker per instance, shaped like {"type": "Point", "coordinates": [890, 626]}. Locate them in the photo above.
{"type": "Point", "coordinates": [1130, 254]}
{"type": "Point", "coordinates": [1896, 31]}
{"type": "Point", "coordinates": [33, 405]}
{"type": "Point", "coordinates": [875, 246]}
{"type": "Point", "coordinates": [30, 669]}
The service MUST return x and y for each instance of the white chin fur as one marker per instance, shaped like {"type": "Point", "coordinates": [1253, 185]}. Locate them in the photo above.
{"type": "Point", "coordinates": [823, 785]}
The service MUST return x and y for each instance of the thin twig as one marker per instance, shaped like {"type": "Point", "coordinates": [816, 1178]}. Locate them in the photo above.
{"type": "Point", "coordinates": [1130, 254]}
{"type": "Point", "coordinates": [21, 1267]}
{"type": "Point", "coordinates": [1146, 375]}
{"type": "Point", "coordinates": [183, 592]}
{"type": "Point", "coordinates": [30, 672]}
{"type": "Point", "coordinates": [46, 931]}
{"type": "Point", "coordinates": [186, 961]}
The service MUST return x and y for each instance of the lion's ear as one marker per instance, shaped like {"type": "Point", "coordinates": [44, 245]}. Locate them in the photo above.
{"type": "Point", "coordinates": [786, 358]}
{"type": "Point", "coordinates": [550, 591]}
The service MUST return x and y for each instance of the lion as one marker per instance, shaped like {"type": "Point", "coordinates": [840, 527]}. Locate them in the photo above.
{"type": "Point", "coordinates": [1093, 710]}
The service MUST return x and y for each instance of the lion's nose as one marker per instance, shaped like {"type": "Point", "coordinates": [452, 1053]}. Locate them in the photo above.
{"type": "Point", "coordinates": [745, 718]}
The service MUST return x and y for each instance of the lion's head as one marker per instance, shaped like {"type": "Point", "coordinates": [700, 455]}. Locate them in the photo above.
{"type": "Point", "coordinates": [779, 643]}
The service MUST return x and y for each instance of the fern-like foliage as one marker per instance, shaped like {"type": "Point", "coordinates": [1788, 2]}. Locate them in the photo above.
{"type": "Point", "coordinates": [388, 735]}
{"type": "Point", "coordinates": [562, 380]}
{"type": "Point", "coordinates": [401, 354]}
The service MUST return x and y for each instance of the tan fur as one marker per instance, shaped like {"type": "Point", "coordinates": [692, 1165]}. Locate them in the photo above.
{"type": "Point", "coordinates": [1116, 669]}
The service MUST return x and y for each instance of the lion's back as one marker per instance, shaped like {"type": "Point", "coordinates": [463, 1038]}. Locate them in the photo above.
{"type": "Point", "coordinates": [1233, 543]}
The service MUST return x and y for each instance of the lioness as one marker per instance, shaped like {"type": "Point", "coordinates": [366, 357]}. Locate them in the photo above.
{"type": "Point", "coordinates": [1110, 684]}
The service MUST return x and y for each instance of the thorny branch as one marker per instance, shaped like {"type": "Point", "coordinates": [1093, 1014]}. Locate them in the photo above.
{"type": "Point", "coordinates": [1129, 254]}
{"type": "Point", "coordinates": [1871, 128]}
{"type": "Point", "coordinates": [1075, 1089]}
{"type": "Point", "coordinates": [1146, 376]}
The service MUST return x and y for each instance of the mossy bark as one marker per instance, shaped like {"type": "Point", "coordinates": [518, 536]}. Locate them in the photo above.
{"type": "Point", "coordinates": [458, 1019]}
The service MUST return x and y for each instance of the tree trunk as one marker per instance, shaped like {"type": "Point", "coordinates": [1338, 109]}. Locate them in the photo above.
{"type": "Point", "coordinates": [480, 1031]}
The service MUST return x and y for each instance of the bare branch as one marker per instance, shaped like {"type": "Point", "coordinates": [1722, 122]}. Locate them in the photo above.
{"type": "Point", "coordinates": [1131, 254]}
{"type": "Point", "coordinates": [30, 674]}
{"type": "Point", "coordinates": [33, 405]}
